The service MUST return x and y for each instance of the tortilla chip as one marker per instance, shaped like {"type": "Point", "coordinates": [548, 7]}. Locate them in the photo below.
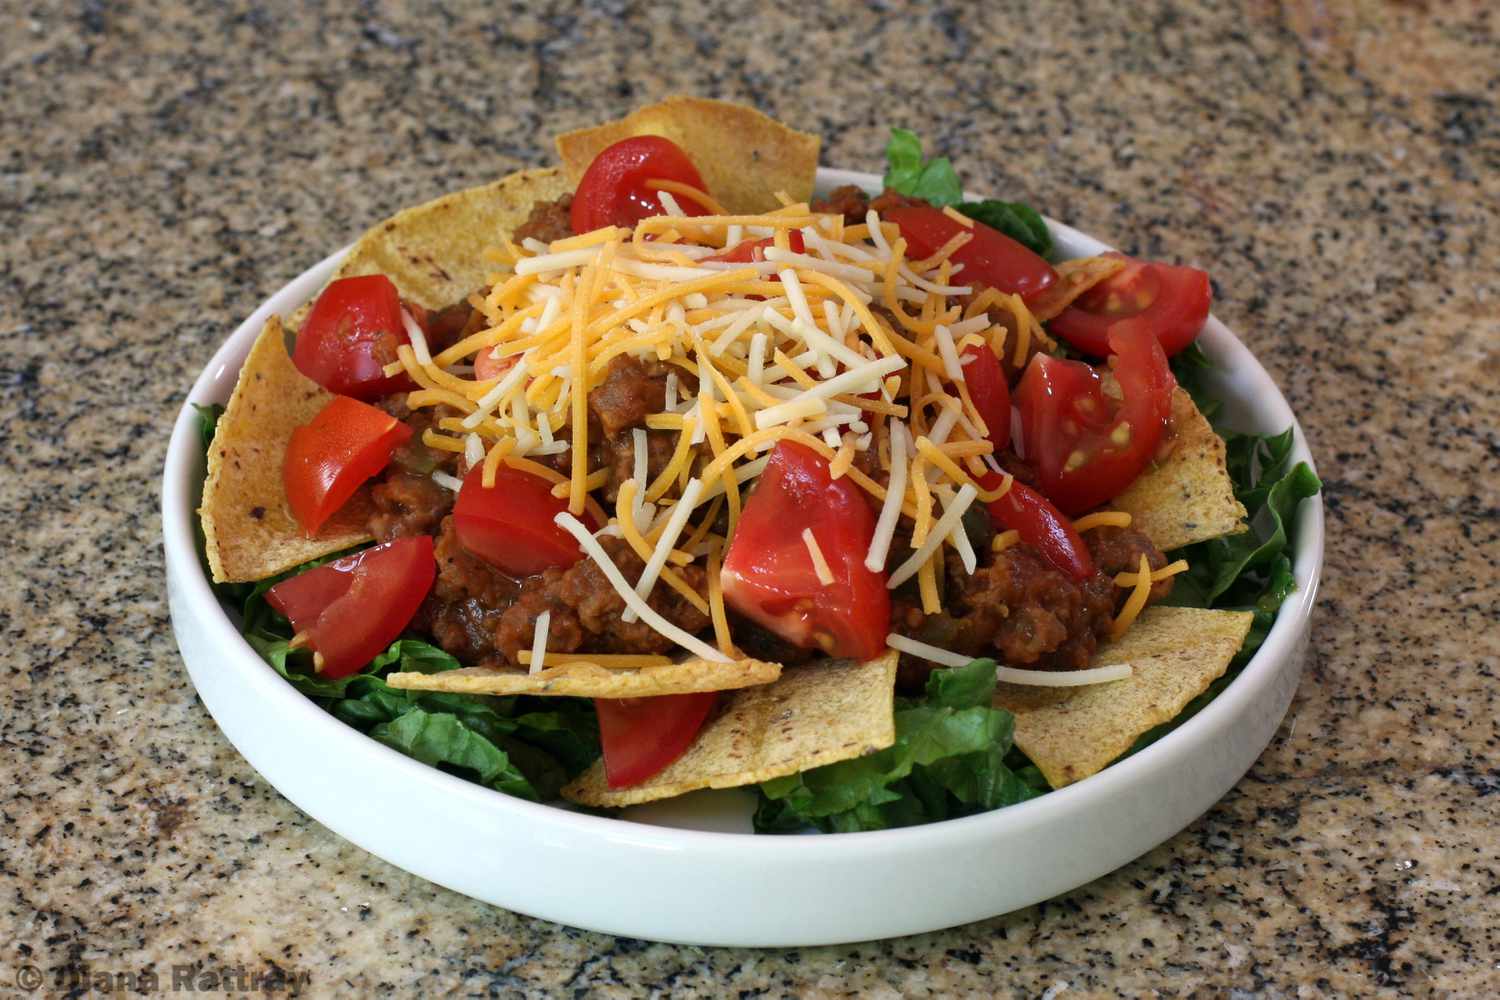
{"type": "Point", "coordinates": [589, 680]}
{"type": "Point", "coordinates": [435, 252]}
{"type": "Point", "coordinates": [1188, 497]}
{"type": "Point", "coordinates": [744, 156]}
{"type": "Point", "coordinates": [248, 527]}
{"type": "Point", "coordinates": [813, 715]}
{"type": "Point", "coordinates": [1071, 733]}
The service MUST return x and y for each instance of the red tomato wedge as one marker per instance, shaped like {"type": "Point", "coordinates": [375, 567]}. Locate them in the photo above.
{"type": "Point", "coordinates": [613, 190]}
{"type": "Point", "coordinates": [768, 573]}
{"type": "Point", "coordinates": [1086, 447]}
{"type": "Point", "coordinates": [510, 524]}
{"type": "Point", "coordinates": [1170, 302]}
{"type": "Point", "coordinates": [985, 380]}
{"type": "Point", "coordinates": [349, 337]}
{"type": "Point", "coordinates": [353, 608]}
{"type": "Point", "coordinates": [487, 366]}
{"type": "Point", "coordinates": [641, 736]}
{"type": "Point", "coordinates": [1041, 526]}
{"type": "Point", "coordinates": [754, 251]}
{"type": "Point", "coordinates": [990, 258]}
{"type": "Point", "coordinates": [327, 460]}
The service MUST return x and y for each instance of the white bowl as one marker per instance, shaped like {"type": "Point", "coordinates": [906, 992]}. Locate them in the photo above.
{"type": "Point", "coordinates": [652, 877]}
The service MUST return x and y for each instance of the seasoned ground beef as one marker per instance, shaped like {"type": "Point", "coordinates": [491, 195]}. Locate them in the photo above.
{"type": "Point", "coordinates": [549, 221]}
{"type": "Point", "coordinates": [467, 600]}
{"type": "Point", "coordinates": [586, 609]}
{"type": "Point", "coordinates": [407, 503]}
{"type": "Point", "coordinates": [446, 327]}
{"type": "Point", "coordinates": [1017, 608]}
{"type": "Point", "coordinates": [631, 390]}
{"type": "Point", "coordinates": [852, 203]}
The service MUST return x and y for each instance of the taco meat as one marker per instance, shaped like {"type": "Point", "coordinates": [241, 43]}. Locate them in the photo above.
{"type": "Point", "coordinates": [586, 610]}
{"type": "Point", "coordinates": [1019, 609]}
{"type": "Point", "coordinates": [549, 221]}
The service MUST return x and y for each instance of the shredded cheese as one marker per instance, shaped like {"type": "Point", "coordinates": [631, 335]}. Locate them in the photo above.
{"type": "Point", "coordinates": [1064, 678]}
{"type": "Point", "coordinates": [675, 523]}
{"type": "Point", "coordinates": [1167, 571]}
{"type": "Point", "coordinates": [612, 661]}
{"type": "Point", "coordinates": [820, 564]}
{"type": "Point", "coordinates": [539, 641]}
{"type": "Point", "coordinates": [1136, 602]}
{"type": "Point", "coordinates": [1102, 519]}
{"type": "Point", "coordinates": [945, 524]}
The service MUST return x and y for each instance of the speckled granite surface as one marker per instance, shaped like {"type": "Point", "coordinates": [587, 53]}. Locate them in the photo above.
{"type": "Point", "coordinates": [1336, 165]}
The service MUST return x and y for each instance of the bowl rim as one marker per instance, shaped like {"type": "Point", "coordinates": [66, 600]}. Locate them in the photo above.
{"type": "Point", "coordinates": [179, 487]}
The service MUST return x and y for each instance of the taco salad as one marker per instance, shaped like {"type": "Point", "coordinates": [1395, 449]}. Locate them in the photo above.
{"type": "Point", "coordinates": [662, 471]}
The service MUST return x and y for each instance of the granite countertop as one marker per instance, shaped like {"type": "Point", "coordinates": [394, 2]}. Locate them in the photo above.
{"type": "Point", "coordinates": [1336, 166]}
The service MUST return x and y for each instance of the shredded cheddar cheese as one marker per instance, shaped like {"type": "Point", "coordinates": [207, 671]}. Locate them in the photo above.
{"type": "Point", "coordinates": [844, 346]}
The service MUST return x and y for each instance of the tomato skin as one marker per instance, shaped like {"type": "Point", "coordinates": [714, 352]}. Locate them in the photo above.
{"type": "Point", "coordinates": [350, 335]}
{"type": "Point", "coordinates": [754, 251]}
{"type": "Point", "coordinates": [768, 573]}
{"type": "Point", "coordinates": [1087, 449]}
{"type": "Point", "coordinates": [1171, 302]}
{"type": "Point", "coordinates": [486, 366]}
{"type": "Point", "coordinates": [613, 190]}
{"type": "Point", "coordinates": [510, 524]}
{"type": "Point", "coordinates": [641, 736]}
{"type": "Point", "coordinates": [990, 258]}
{"type": "Point", "coordinates": [327, 460]}
{"type": "Point", "coordinates": [353, 608]}
{"type": "Point", "coordinates": [1041, 526]}
{"type": "Point", "coordinates": [988, 389]}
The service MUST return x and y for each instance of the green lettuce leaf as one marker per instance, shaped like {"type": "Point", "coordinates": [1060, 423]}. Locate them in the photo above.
{"type": "Point", "coordinates": [1020, 222]}
{"type": "Point", "coordinates": [444, 740]}
{"type": "Point", "coordinates": [1192, 369]}
{"type": "Point", "coordinates": [906, 171]}
{"type": "Point", "coordinates": [949, 759]}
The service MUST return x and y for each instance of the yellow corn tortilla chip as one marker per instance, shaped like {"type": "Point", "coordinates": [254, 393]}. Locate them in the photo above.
{"type": "Point", "coordinates": [744, 156]}
{"type": "Point", "coordinates": [1188, 497]}
{"type": "Point", "coordinates": [248, 527]}
{"type": "Point", "coordinates": [813, 715]}
{"type": "Point", "coordinates": [1074, 277]}
{"type": "Point", "coordinates": [435, 252]}
{"type": "Point", "coordinates": [1071, 733]}
{"type": "Point", "coordinates": [589, 680]}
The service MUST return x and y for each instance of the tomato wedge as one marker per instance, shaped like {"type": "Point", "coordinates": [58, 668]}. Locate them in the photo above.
{"type": "Point", "coordinates": [487, 366]}
{"type": "Point", "coordinates": [985, 380]}
{"type": "Point", "coordinates": [1087, 448]}
{"type": "Point", "coordinates": [990, 258]}
{"type": "Point", "coordinates": [754, 251]}
{"type": "Point", "coordinates": [613, 190]}
{"type": "Point", "coordinates": [349, 337]}
{"type": "Point", "coordinates": [510, 526]}
{"type": "Point", "coordinates": [768, 573]}
{"type": "Point", "coordinates": [327, 460]}
{"type": "Point", "coordinates": [641, 736]}
{"type": "Point", "coordinates": [1041, 526]}
{"type": "Point", "coordinates": [353, 608]}
{"type": "Point", "coordinates": [1170, 302]}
